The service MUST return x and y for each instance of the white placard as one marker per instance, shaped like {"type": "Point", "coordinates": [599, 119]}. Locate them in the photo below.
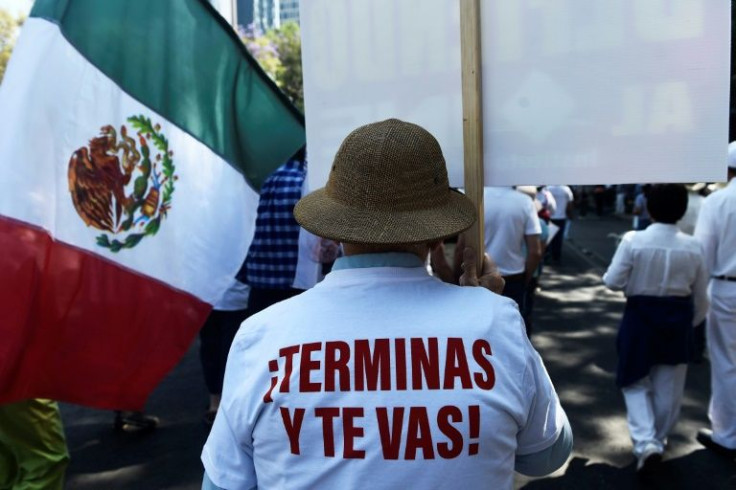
{"type": "Point", "coordinates": [574, 91]}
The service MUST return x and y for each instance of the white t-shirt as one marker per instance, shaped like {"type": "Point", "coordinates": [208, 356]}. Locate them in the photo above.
{"type": "Point", "coordinates": [547, 199]}
{"type": "Point", "coordinates": [235, 298]}
{"type": "Point", "coordinates": [395, 380]}
{"type": "Point", "coordinates": [716, 230]}
{"type": "Point", "coordinates": [562, 195]}
{"type": "Point", "coordinates": [509, 217]}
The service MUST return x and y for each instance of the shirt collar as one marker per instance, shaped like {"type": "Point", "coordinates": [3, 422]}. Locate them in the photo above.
{"type": "Point", "coordinates": [389, 259]}
{"type": "Point", "coordinates": [663, 226]}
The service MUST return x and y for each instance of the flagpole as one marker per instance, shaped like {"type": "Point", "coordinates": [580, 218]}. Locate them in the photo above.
{"type": "Point", "coordinates": [472, 117]}
{"type": "Point", "coordinates": [234, 13]}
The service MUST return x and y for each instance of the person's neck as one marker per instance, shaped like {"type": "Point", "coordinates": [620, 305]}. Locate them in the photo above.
{"type": "Point", "coordinates": [421, 250]}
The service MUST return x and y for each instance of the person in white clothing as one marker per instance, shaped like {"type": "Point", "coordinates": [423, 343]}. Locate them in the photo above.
{"type": "Point", "coordinates": [564, 203]}
{"type": "Point", "coordinates": [663, 275]}
{"type": "Point", "coordinates": [716, 230]}
{"type": "Point", "coordinates": [383, 376]}
{"type": "Point", "coordinates": [547, 200]}
{"type": "Point", "coordinates": [512, 232]}
{"type": "Point", "coordinates": [641, 215]}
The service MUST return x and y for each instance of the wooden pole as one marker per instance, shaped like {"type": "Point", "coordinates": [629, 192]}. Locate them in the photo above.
{"type": "Point", "coordinates": [472, 117]}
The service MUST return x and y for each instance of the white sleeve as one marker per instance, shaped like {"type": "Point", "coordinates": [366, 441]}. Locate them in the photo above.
{"type": "Point", "coordinates": [228, 464]}
{"type": "Point", "coordinates": [700, 293]}
{"type": "Point", "coordinates": [227, 455]}
{"type": "Point", "coordinates": [532, 226]}
{"type": "Point", "coordinates": [546, 419]}
{"type": "Point", "coordinates": [618, 273]}
{"type": "Point", "coordinates": [551, 203]}
{"type": "Point", "coordinates": [706, 233]}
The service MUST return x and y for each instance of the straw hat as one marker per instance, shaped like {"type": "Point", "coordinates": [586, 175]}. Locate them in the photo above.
{"type": "Point", "coordinates": [388, 185]}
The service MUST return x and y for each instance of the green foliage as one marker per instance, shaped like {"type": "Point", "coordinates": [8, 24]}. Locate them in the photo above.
{"type": "Point", "coordinates": [153, 226]}
{"type": "Point", "coordinates": [264, 51]}
{"type": "Point", "coordinates": [8, 32]}
{"type": "Point", "coordinates": [279, 52]}
{"type": "Point", "coordinates": [103, 241]}
{"type": "Point", "coordinates": [116, 245]}
{"type": "Point", "coordinates": [144, 126]}
{"type": "Point", "coordinates": [140, 185]}
{"type": "Point", "coordinates": [288, 44]}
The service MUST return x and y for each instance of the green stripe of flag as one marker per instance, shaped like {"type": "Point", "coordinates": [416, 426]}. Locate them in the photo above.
{"type": "Point", "coordinates": [181, 59]}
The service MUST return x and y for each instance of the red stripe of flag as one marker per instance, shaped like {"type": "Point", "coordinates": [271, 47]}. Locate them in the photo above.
{"type": "Point", "coordinates": [61, 336]}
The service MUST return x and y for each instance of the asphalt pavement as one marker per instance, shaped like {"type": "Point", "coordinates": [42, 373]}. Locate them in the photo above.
{"type": "Point", "coordinates": [575, 324]}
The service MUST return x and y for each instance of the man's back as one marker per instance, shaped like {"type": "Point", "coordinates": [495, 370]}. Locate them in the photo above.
{"type": "Point", "coordinates": [382, 378]}
{"type": "Point", "coordinates": [660, 261]}
{"type": "Point", "coordinates": [509, 216]}
{"type": "Point", "coordinates": [563, 196]}
{"type": "Point", "coordinates": [716, 229]}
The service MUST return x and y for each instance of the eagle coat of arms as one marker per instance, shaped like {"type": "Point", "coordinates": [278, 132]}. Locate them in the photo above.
{"type": "Point", "coordinates": [119, 187]}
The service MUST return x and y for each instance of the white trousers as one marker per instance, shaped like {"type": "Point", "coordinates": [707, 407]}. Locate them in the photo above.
{"type": "Point", "coordinates": [653, 405]}
{"type": "Point", "coordinates": [620, 208]}
{"type": "Point", "coordinates": [721, 331]}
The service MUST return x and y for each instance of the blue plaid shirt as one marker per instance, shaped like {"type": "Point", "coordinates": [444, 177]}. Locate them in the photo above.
{"type": "Point", "coordinates": [272, 257]}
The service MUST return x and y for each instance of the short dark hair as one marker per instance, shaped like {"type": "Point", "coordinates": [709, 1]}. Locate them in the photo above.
{"type": "Point", "coordinates": [667, 203]}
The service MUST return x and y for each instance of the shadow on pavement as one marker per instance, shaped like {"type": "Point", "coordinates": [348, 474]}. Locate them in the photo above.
{"type": "Point", "coordinates": [699, 469]}
{"type": "Point", "coordinates": [111, 459]}
{"type": "Point", "coordinates": [166, 458]}
{"type": "Point", "coordinates": [575, 325]}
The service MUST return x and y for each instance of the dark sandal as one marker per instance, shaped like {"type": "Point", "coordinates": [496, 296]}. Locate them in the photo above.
{"type": "Point", "coordinates": [135, 421]}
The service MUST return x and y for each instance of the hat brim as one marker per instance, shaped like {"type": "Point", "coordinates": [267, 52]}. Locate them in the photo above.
{"type": "Point", "coordinates": [329, 218]}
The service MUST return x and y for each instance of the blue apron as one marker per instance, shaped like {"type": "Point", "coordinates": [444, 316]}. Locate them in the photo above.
{"type": "Point", "coordinates": [654, 330]}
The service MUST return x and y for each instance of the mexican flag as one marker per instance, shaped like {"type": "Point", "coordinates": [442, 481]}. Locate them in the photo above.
{"type": "Point", "coordinates": [134, 136]}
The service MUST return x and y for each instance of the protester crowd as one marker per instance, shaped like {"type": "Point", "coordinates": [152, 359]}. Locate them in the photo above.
{"type": "Point", "coordinates": [338, 278]}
